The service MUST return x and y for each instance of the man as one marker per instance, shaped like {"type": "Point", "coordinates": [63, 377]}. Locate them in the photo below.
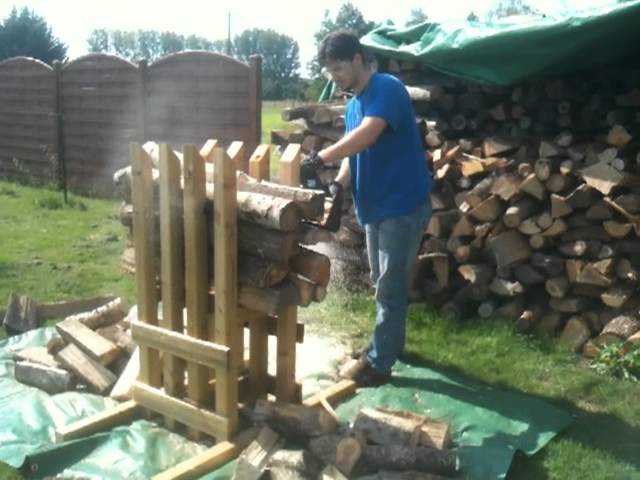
{"type": "Point", "coordinates": [384, 161]}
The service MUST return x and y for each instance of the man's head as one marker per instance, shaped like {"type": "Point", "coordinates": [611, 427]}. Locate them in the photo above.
{"type": "Point", "coordinates": [342, 55]}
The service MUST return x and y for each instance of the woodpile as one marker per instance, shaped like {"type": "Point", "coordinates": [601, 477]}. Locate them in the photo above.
{"type": "Point", "coordinates": [275, 270]}
{"type": "Point", "coordinates": [536, 201]}
{"type": "Point", "coordinates": [302, 442]}
{"type": "Point", "coordinates": [91, 351]}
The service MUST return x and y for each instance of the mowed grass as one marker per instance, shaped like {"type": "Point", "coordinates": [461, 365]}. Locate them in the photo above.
{"type": "Point", "coordinates": [54, 252]}
{"type": "Point", "coordinates": [272, 120]}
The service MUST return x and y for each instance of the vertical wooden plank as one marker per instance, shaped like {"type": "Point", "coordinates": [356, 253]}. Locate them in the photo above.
{"type": "Point", "coordinates": [196, 274]}
{"type": "Point", "coordinates": [141, 120]}
{"type": "Point", "coordinates": [206, 151]}
{"type": "Point", "coordinates": [172, 267]}
{"type": "Point", "coordinates": [144, 238]}
{"type": "Point", "coordinates": [255, 103]}
{"type": "Point", "coordinates": [286, 356]}
{"type": "Point", "coordinates": [258, 357]}
{"type": "Point", "coordinates": [259, 162]}
{"type": "Point", "coordinates": [236, 153]}
{"type": "Point", "coordinates": [62, 159]}
{"type": "Point", "coordinates": [228, 328]}
{"type": "Point", "coordinates": [290, 165]}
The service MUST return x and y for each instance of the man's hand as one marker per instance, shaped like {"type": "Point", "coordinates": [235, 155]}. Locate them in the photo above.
{"type": "Point", "coordinates": [309, 167]}
{"type": "Point", "coordinates": [333, 217]}
{"type": "Point", "coordinates": [311, 161]}
{"type": "Point", "coordinates": [336, 191]}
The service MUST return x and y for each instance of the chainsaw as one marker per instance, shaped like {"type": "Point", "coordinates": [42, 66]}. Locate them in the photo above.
{"type": "Point", "coordinates": [310, 180]}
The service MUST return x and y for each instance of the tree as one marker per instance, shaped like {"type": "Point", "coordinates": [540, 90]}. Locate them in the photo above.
{"type": "Point", "coordinates": [416, 16]}
{"type": "Point", "coordinates": [472, 17]}
{"type": "Point", "coordinates": [25, 33]}
{"type": "Point", "coordinates": [280, 60]}
{"type": "Point", "coordinates": [348, 18]}
{"type": "Point", "coordinates": [148, 44]}
{"type": "Point", "coordinates": [509, 8]}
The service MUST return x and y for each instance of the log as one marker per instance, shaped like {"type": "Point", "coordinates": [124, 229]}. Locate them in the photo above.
{"type": "Point", "coordinates": [265, 243]}
{"type": "Point", "coordinates": [505, 288]}
{"type": "Point", "coordinates": [510, 310]}
{"type": "Point", "coordinates": [617, 229]}
{"type": "Point", "coordinates": [560, 207]}
{"type": "Point", "coordinates": [528, 276]}
{"type": "Point", "coordinates": [479, 192]}
{"type": "Point", "coordinates": [298, 462]}
{"type": "Point", "coordinates": [599, 211]}
{"type": "Point", "coordinates": [573, 268]}
{"type": "Point", "coordinates": [253, 461]}
{"type": "Point", "coordinates": [295, 422]}
{"type": "Point", "coordinates": [123, 388]}
{"type": "Point", "coordinates": [622, 326]}
{"type": "Point", "coordinates": [602, 176]}
{"type": "Point", "coordinates": [529, 227]}
{"type": "Point", "coordinates": [331, 472]}
{"type": "Point", "coordinates": [91, 343]}
{"type": "Point", "coordinates": [617, 295]}
{"type": "Point", "coordinates": [476, 273]}
{"type": "Point", "coordinates": [534, 187]}
{"type": "Point", "coordinates": [552, 265]}
{"type": "Point", "coordinates": [488, 210]}
{"type": "Point", "coordinates": [526, 321]}
{"type": "Point", "coordinates": [260, 273]}
{"type": "Point", "coordinates": [266, 210]}
{"type": "Point", "coordinates": [548, 324]}
{"type": "Point", "coordinates": [85, 368]}
{"type": "Point", "coordinates": [37, 355]}
{"type": "Point", "coordinates": [626, 271]}
{"type": "Point", "coordinates": [312, 265]}
{"type": "Point", "coordinates": [573, 249]}
{"type": "Point", "coordinates": [50, 379]}
{"type": "Point", "coordinates": [557, 286]}
{"type": "Point", "coordinates": [506, 186]}
{"type": "Point", "coordinates": [464, 227]}
{"type": "Point", "coordinates": [542, 169]}
{"type": "Point", "coordinates": [348, 453]}
{"type": "Point", "coordinates": [103, 316]}
{"type": "Point", "coordinates": [571, 304]}
{"type": "Point", "coordinates": [305, 288]}
{"type": "Point", "coordinates": [494, 146]}
{"type": "Point", "coordinates": [519, 211]}
{"type": "Point", "coordinates": [21, 315]}
{"type": "Point", "coordinates": [575, 333]}
{"type": "Point", "coordinates": [508, 248]}
{"type": "Point", "coordinates": [597, 273]}
{"type": "Point", "coordinates": [402, 458]}
{"type": "Point", "coordinates": [558, 182]}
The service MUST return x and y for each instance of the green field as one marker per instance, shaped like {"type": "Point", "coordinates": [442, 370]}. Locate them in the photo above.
{"type": "Point", "coordinates": [53, 252]}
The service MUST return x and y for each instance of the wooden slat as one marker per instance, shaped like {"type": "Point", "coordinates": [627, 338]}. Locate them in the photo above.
{"type": "Point", "coordinates": [96, 423]}
{"type": "Point", "coordinates": [180, 345]}
{"type": "Point", "coordinates": [197, 418]}
{"type": "Point", "coordinates": [333, 394]}
{"type": "Point", "coordinates": [290, 165]}
{"type": "Point", "coordinates": [210, 459]}
{"type": "Point", "coordinates": [286, 356]}
{"type": "Point", "coordinates": [228, 328]}
{"type": "Point", "coordinates": [258, 357]}
{"type": "Point", "coordinates": [259, 162]}
{"type": "Point", "coordinates": [236, 154]}
{"type": "Point", "coordinates": [146, 268]}
{"type": "Point", "coordinates": [195, 234]}
{"type": "Point", "coordinates": [172, 271]}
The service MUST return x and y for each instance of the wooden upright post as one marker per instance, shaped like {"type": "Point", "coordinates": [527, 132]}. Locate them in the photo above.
{"type": "Point", "coordinates": [290, 165]}
{"type": "Point", "coordinates": [195, 234]}
{"type": "Point", "coordinates": [236, 153]}
{"type": "Point", "coordinates": [144, 236]}
{"type": "Point", "coordinates": [259, 163]}
{"type": "Point", "coordinates": [228, 327]}
{"type": "Point", "coordinates": [172, 270]}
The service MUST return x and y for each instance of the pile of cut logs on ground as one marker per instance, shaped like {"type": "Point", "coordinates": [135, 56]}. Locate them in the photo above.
{"type": "Point", "coordinates": [301, 442]}
{"type": "Point", "coordinates": [536, 202]}
{"type": "Point", "coordinates": [91, 350]}
{"type": "Point", "coordinates": [275, 271]}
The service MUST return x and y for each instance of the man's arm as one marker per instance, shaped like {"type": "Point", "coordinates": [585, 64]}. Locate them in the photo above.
{"type": "Point", "coordinates": [344, 174]}
{"type": "Point", "coordinates": [355, 141]}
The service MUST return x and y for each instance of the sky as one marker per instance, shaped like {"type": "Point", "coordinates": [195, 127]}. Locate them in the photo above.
{"type": "Point", "coordinates": [73, 20]}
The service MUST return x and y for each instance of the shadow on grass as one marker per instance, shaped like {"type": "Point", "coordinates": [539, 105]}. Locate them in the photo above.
{"type": "Point", "coordinates": [599, 431]}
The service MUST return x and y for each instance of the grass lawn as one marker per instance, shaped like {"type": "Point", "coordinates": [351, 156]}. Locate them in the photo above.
{"type": "Point", "coordinates": [272, 120]}
{"type": "Point", "coordinates": [53, 252]}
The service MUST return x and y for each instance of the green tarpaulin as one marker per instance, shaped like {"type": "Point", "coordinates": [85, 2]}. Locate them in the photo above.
{"type": "Point", "coordinates": [504, 53]}
{"type": "Point", "coordinates": [489, 425]}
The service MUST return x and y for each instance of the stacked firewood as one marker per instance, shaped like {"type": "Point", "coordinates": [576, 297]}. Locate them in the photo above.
{"type": "Point", "coordinates": [91, 350]}
{"type": "Point", "coordinates": [536, 202]}
{"type": "Point", "coordinates": [274, 269]}
{"type": "Point", "coordinates": [302, 442]}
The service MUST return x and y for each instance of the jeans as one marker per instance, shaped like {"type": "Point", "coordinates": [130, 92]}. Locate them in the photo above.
{"type": "Point", "coordinates": [392, 246]}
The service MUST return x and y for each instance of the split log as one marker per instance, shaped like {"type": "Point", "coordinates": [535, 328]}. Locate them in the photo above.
{"type": "Point", "coordinates": [464, 227]}
{"type": "Point", "coordinates": [331, 472]}
{"type": "Point", "coordinates": [266, 243]}
{"type": "Point", "coordinates": [617, 295]}
{"type": "Point", "coordinates": [478, 273]}
{"type": "Point", "coordinates": [557, 286]}
{"type": "Point", "coordinates": [312, 265]}
{"type": "Point", "coordinates": [617, 229]}
{"type": "Point", "coordinates": [21, 315]}
{"type": "Point", "coordinates": [305, 288]}
{"type": "Point", "coordinates": [575, 333]}
{"type": "Point", "coordinates": [294, 421]}
{"type": "Point", "coordinates": [528, 276]}
{"type": "Point", "coordinates": [37, 355]}
{"type": "Point", "coordinates": [85, 368]}
{"type": "Point", "coordinates": [552, 265]}
{"type": "Point", "coordinates": [94, 345]}
{"type": "Point", "coordinates": [529, 227]}
{"type": "Point", "coordinates": [534, 187]}
{"type": "Point", "coordinates": [299, 462]}
{"type": "Point", "coordinates": [626, 271]}
{"type": "Point", "coordinates": [103, 316]}
{"type": "Point", "coordinates": [253, 461]}
{"type": "Point", "coordinates": [402, 458]}
{"type": "Point", "coordinates": [260, 273]}
{"type": "Point", "coordinates": [602, 177]}
{"type": "Point", "coordinates": [506, 186]}
{"type": "Point", "coordinates": [548, 324]}
{"type": "Point", "coordinates": [542, 169]}
{"type": "Point", "coordinates": [123, 388]}
{"type": "Point", "coordinates": [50, 379]}
{"type": "Point", "coordinates": [573, 249]}
{"type": "Point", "coordinates": [622, 326]}
{"type": "Point", "coordinates": [505, 288]}
{"type": "Point", "coordinates": [519, 211]}
{"type": "Point", "coordinates": [508, 248]}
{"type": "Point", "coordinates": [560, 207]}
{"type": "Point", "coordinates": [119, 336]}
{"type": "Point", "coordinates": [570, 304]}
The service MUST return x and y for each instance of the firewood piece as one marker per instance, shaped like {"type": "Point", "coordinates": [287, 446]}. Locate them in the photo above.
{"type": "Point", "coordinates": [479, 273]}
{"type": "Point", "coordinates": [626, 271]}
{"type": "Point", "coordinates": [630, 202]}
{"type": "Point", "coordinates": [480, 191]}
{"type": "Point", "coordinates": [84, 367]}
{"type": "Point", "coordinates": [570, 304]}
{"type": "Point", "coordinates": [103, 316]}
{"type": "Point", "coordinates": [573, 269]}
{"type": "Point", "coordinates": [122, 390]}
{"type": "Point", "coordinates": [508, 248]}
{"type": "Point", "coordinates": [525, 169]}
{"type": "Point", "coordinates": [299, 462]}
{"type": "Point", "coordinates": [482, 230]}
{"type": "Point", "coordinates": [260, 273]}
{"type": "Point", "coordinates": [312, 265]}
{"type": "Point", "coordinates": [548, 150]}
{"type": "Point", "coordinates": [21, 315]}
{"type": "Point", "coordinates": [534, 187]}
{"type": "Point", "coordinates": [558, 182]}
{"type": "Point", "coordinates": [564, 139]}
{"type": "Point", "coordinates": [525, 322]}
{"type": "Point", "coordinates": [602, 177]}
{"type": "Point", "coordinates": [505, 288]}
{"type": "Point", "coordinates": [634, 339]}
{"type": "Point", "coordinates": [441, 223]}
{"type": "Point", "coordinates": [487, 211]}
{"type": "Point", "coordinates": [472, 165]}
{"type": "Point", "coordinates": [618, 136]}
{"type": "Point", "coordinates": [402, 458]}
{"type": "Point", "coordinates": [557, 286]}
{"type": "Point", "coordinates": [630, 247]}
{"type": "Point", "coordinates": [542, 169]}
{"type": "Point", "coordinates": [266, 243]}
{"type": "Point", "coordinates": [93, 344]}
{"type": "Point", "coordinates": [55, 344]}
{"type": "Point", "coordinates": [50, 379]}
{"type": "Point", "coordinates": [464, 227]}
{"type": "Point", "coordinates": [582, 196]}
{"type": "Point", "coordinates": [595, 232]}
{"type": "Point", "coordinates": [538, 242]}
{"type": "Point", "coordinates": [597, 273]}
{"type": "Point", "coordinates": [617, 295]}
{"type": "Point", "coordinates": [544, 220]}
{"type": "Point", "coordinates": [560, 207]}
{"type": "Point", "coordinates": [348, 452]}
{"type": "Point", "coordinates": [304, 287]}
{"type": "Point", "coordinates": [425, 93]}
{"type": "Point", "coordinates": [486, 309]}
{"type": "Point", "coordinates": [331, 472]}
{"type": "Point", "coordinates": [623, 326]}
{"type": "Point", "coordinates": [552, 265]}
{"type": "Point", "coordinates": [617, 229]}
{"type": "Point", "coordinates": [575, 333]}
{"type": "Point", "coordinates": [573, 249]}
{"type": "Point", "coordinates": [557, 228]}
{"type": "Point", "coordinates": [548, 324]}
{"type": "Point", "coordinates": [519, 211]}
{"type": "Point", "coordinates": [294, 421]}
{"type": "Point", "coordinates": [567, 167]}
{"type": "Point", "coordinates": [510, 310]}
{"type": "Point", "coordinates": [599, 211]}
{"type": "Point", "coordinates": [494, 146]}
{"type": "Point", "coordinates": [506, 186]}
{"type": "Point", "coordinates": [253, 461]}
{"type": "Point", "coordinates": [119, 336]}
{"type": "Point", "coordinates": [527, 275]}
{"type": "Point", "coordinates": [269, 211]}
{"type": "Point", "coordinates": [37, 355]}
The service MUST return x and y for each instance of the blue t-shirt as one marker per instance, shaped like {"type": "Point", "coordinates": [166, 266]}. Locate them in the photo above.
{"type": "Point", "coordinates": [389, 178]}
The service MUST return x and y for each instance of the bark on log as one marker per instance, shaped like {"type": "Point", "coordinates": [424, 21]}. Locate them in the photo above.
{"type": "Point", "coordinates": [294, 421]}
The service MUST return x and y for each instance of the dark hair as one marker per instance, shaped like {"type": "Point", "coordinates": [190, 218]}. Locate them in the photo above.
{"type": "Point", "coordinates": [341, 45]}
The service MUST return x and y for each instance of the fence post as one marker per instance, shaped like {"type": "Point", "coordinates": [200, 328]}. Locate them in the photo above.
{"type": "Point", "coordinates": [255, 103]}
{"type": "Point", "coordinates": [142, 102]}
{"type": "Point", "coordinates": [62, 161]}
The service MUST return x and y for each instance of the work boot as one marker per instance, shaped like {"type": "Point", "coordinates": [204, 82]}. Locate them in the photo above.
{"type": "Point", "coordinates": [363, 373]}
